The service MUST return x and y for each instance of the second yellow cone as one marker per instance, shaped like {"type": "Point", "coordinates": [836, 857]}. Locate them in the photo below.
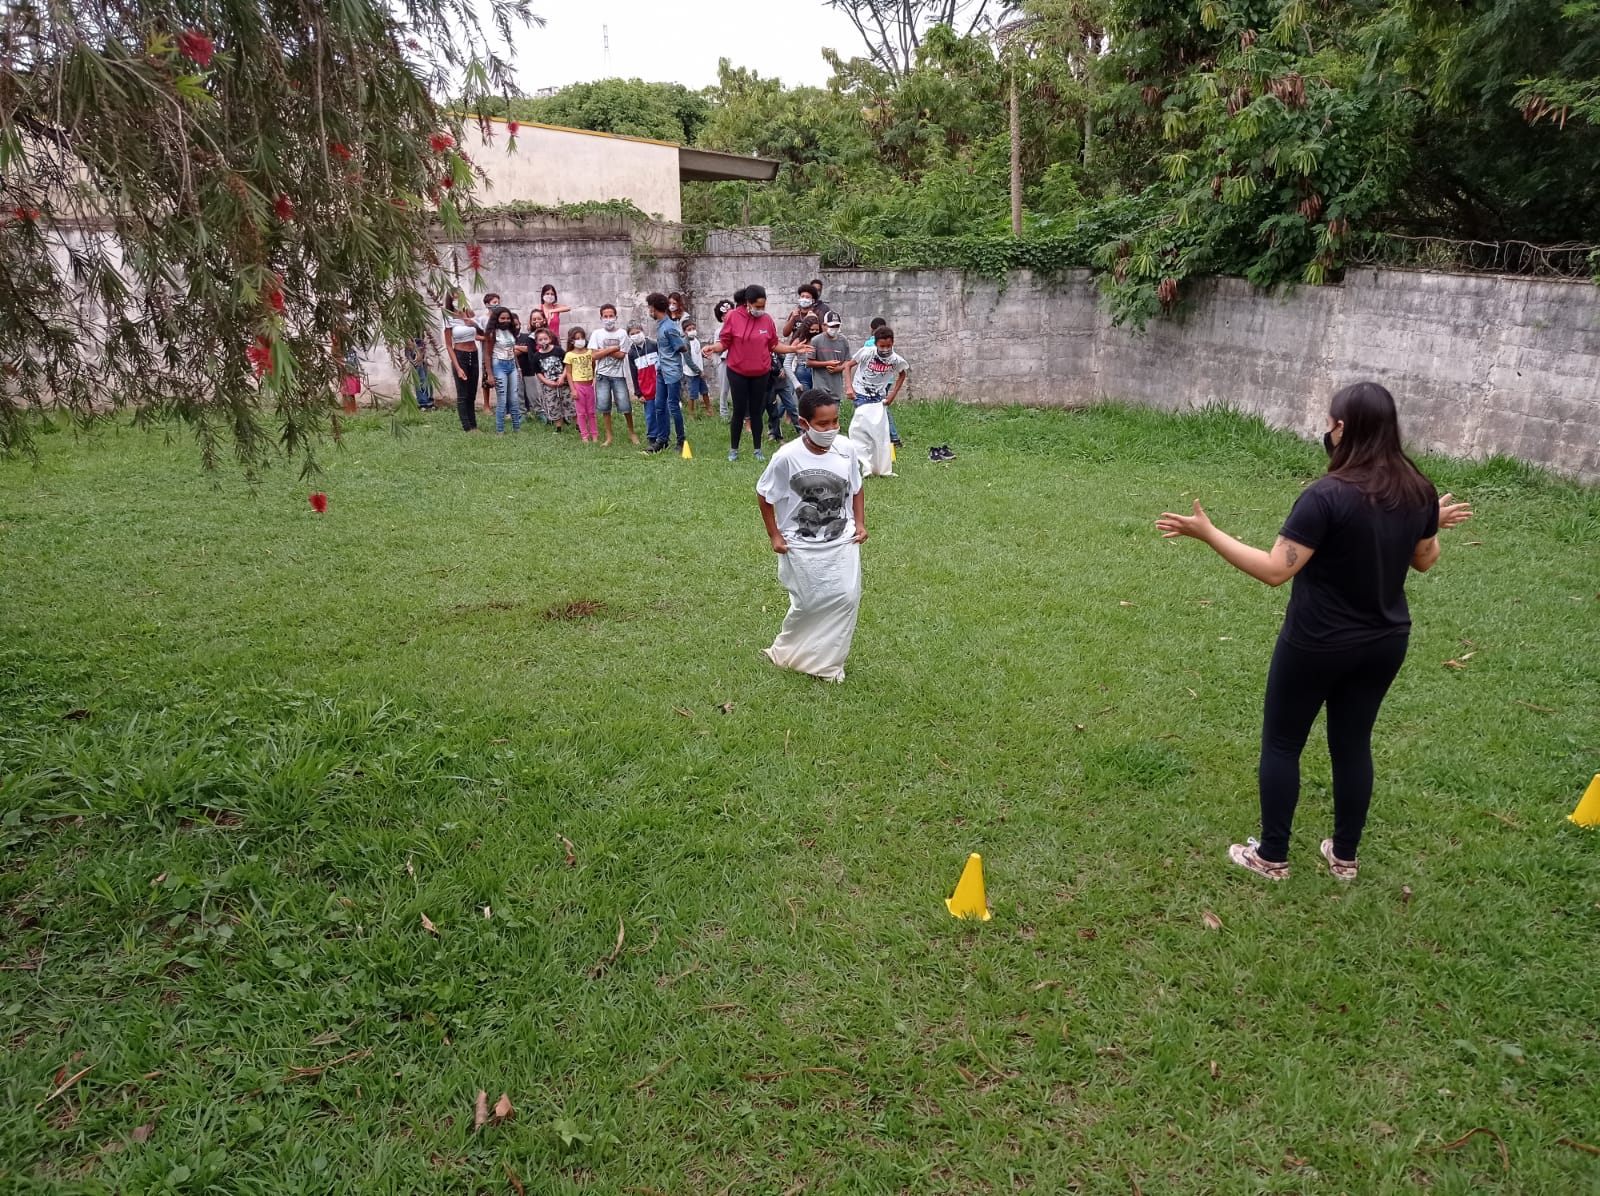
{"type": "Point", "coordinates": [969, 900]}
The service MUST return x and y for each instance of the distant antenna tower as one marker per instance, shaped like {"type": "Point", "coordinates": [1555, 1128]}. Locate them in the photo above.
{"type": "Point", "coordinates": [605, 42]}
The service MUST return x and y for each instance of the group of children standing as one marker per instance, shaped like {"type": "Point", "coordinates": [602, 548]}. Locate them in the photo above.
{"type": "Point", "coordinates": [588, 378]}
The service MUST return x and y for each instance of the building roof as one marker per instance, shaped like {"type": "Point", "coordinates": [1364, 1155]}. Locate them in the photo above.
{"type": "Point", "coordinates": [694, 165]}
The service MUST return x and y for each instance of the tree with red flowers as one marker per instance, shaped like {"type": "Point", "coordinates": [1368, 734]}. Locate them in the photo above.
{"type": "Point", "coordinates": [198, 201]}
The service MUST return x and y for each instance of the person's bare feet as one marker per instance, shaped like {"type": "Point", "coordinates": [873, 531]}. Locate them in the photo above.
{"type": "Point", "coordinates": [606, 443]}
{"type": "Point", "coordinates": [633, 437]}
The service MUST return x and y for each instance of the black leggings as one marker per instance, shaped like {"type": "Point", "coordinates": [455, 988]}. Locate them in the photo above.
{"type": "Point", "coordinates": [467, 391]}
{"type": "Point", "coordinates": [749, 402]}
{"type": "Point", "coordinates": [1352, 683]}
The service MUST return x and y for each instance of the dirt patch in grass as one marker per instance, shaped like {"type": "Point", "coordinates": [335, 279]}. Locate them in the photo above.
{"type": "Point", "coordinates": [566, 612]}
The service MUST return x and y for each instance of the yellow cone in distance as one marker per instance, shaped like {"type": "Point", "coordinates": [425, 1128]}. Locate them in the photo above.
{"type": "Point", "coordinates": [969, 900]}
{"type": "Point", "coordinates": [893, 456]}
{"type": "Point", "coordinates": [1588, 811]}
{"type": "Point", "coordinates": [686, 454]}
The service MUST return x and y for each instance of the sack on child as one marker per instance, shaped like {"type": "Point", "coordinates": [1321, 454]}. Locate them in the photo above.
{"type": "Point", "coordinates": [824, 585]}
{"type": "Point", "coordinates": [869, 432]}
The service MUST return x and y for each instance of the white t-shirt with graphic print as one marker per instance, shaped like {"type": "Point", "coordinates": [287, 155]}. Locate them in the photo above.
{"type": "Point", "coordinates": [812, 492]}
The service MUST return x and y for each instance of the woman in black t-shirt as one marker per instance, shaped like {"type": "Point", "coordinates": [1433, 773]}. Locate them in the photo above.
{"type": "Point", "coordinates": [1348, 543]}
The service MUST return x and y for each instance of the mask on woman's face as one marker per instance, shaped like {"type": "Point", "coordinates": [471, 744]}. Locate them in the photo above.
{"type": "Point", "coordinates": [550, 297]}
{"type": "Point", "coordinates": [580, 343]}
{"type": "Point", "coordinates": [754, 310]}
{"type": "Point", "coordinates": [672, 307]}
{"type": "Point", "coordinates": [1327, 442]}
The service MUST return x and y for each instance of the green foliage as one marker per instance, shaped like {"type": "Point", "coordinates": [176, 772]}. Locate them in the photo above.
{"type": "Point", "coordinates": [202, 206]}
{"type": "Point", "coordinates": [629, 107]}
{"type": "Point", "coordinates": [621, 209]}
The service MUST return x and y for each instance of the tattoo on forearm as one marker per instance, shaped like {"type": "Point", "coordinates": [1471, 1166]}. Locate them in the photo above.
{"type": "Point", "coordinates": [1291, 554]}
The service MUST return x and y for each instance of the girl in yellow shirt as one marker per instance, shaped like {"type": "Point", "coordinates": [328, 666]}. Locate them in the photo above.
{"type": "Point", "coordinates": [580, 373]}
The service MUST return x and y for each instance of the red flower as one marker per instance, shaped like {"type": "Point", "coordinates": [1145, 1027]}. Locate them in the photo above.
{"type": "Point", "coordinates": [512, 127]}
{"type": "Point", "coordinates": [475, 256]}
{"type": "Point", "coordinates": [195, 45]}
{"type": "Point", "coordinates": [25, 215]}
{"type": "Point", "coordinates": [447, 182]}
{"type": "Point", "coordinates": [278, 305]}
{"type": "Point", "coordinates": [440, 142]}
{"type": "Point", "coordinates": [413, 44]}
{"type": "Point", "coordinates": [339, 150]}
{"type": "Point", "coordinates": [283, 209]}
{"type": "Point", "coordinates": [260, 356]}
{"type": "Point", "coordinates": [319, 502]}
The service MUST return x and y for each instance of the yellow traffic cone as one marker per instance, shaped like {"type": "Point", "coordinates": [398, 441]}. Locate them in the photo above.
{"type": "Point", "coordinates": [969, 900]}
{"type": "Point", "coordinates": [893, 456]}
{"type": "Point", "coordinates": [686, 454]}
{"type": "Point", "coordinates": [1588, 811]}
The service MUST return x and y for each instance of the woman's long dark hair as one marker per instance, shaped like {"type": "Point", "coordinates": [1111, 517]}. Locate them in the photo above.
{"type": "Point", "coordinates": [1369, 454]}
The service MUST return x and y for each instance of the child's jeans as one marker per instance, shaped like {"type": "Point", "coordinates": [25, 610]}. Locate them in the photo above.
{"type": "Point", "coordinates": [583, 399]}
{"type": "Point", "coordinates": [780, 402]}
{"type": "Point", "coordinates": [670, 412]}
{"type": "Point", "coordinates": [506, 379]}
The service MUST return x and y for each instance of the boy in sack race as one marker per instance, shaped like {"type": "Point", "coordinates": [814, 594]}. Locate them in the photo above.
{"type": "Point", "coordinates": [814, 509]}
{"type": "Point", "coordinates": [875, 376]}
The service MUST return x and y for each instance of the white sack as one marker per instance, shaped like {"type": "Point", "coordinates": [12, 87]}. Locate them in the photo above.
{"type": "Point", "coordinates": [869, 432]}
{"type": "Point", "coordinates": [824, 585]}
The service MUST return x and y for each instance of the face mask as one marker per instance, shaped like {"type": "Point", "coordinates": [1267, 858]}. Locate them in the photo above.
{"type": "Point", "coordinates": [885, 354]}
{"type": "Point", "coordinates": [806, 301]}
{"type": "Point", "coordinates": [1327, 442]}
{"type": "Point", "coordinates": [580, 343]}
{"type": "Point", "coordinates": [672, 307]}
{"type": "Point", "coordinates": [822, 439]}
{"type": "Point", "coordinates": [550, 299]}
{"type": "Point", "coordinates": [691, 334]}
{"type": "Point", "coordinates": [611, 325]}
{"type": "Point", "coordinates": [754, 310]}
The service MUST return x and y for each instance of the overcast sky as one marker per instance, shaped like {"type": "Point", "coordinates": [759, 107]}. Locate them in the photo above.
{"type": "Point", "coordinates": [680, 43]}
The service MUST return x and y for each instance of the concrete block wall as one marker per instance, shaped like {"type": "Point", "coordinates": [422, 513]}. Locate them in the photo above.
{"type": "Point", "coordinates": [1480, 364]}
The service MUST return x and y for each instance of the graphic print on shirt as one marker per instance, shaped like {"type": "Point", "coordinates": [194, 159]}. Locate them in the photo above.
{"type": "Point", "coordinates": [879, 375]}
{"type": "Point", "coordinates": [820, 517]}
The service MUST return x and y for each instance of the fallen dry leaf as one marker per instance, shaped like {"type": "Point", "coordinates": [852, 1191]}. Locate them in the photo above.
{"type": "Point", "coordinates": [427, 924]}
{"type": "Point", "coordinates": [1077, 726]}
{"type": "Point", "coordinates": [502, 1108]}
{"type": "Point", "coordinates": [1046, 984]}
{"type": "Point", "coordinates": [606, 961]}
{"type": "Point", "coordinates": [1125, 604]}
{"type": "Point", "coordinates": [572, 852]}
{"type": "Point", "coordinates": [63, 1085]}
{"type": "Point", "coordinates": [516, 1184]}
{"type": "Point", "coordinates": [683, 711]}
{"type": "Point", "coordinates": [1583, 1146]}
{"type": "Point", "coordinates": [347, 903]}
{"type": "Point", "coordinates": [1405, 894]}
{"type": "Point", "coordinates": [1292, 1162]}
{"type": "Point", "coordinates": [311, 1073]}
{"type": "Point", "coordinates": [1505, 1155]}
{"type": "Point", "coordinates": [1211, 920]}
{"type": "Point", "coordinates": [480, 1111]}
{"type": "Point", "coordinates": [726, 708]}
{"type": "Point", "coordinates": [487, 913]}
{"type": "Point", "coordinates": [1473, 544]}
{"type": "Point", "coordinates": [1454, 664]}
{"type": "Point", "coordinates": [410, 871]}
{"type": "Point", "coordinates": [1216, 1072]}
{"type": "Point", "coordinates": [143, 1132]}
{"type": "Point", "coordinates": [158, 880]}
{"type": "Point", "coordinates": [1088, 932]}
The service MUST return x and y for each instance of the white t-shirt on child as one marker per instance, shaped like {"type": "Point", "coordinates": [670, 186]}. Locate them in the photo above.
{"type": "Point", "coordinates": [874, 377]}
{"type": "Point", "coordinates": [812, 492]}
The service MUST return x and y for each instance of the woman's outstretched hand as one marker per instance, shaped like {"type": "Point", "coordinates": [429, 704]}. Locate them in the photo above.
{"type": "Point", "coordinates": [1452, 514]}
{"type": "Point", "coordinates": [1197, 525]}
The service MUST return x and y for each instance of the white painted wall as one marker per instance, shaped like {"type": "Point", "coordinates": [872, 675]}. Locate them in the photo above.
{"type": "Point", "coordinates": [557, 166]}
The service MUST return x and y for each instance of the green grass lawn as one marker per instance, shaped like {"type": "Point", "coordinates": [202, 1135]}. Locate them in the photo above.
{"type": "Point", "coordinates": [246, 751]}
